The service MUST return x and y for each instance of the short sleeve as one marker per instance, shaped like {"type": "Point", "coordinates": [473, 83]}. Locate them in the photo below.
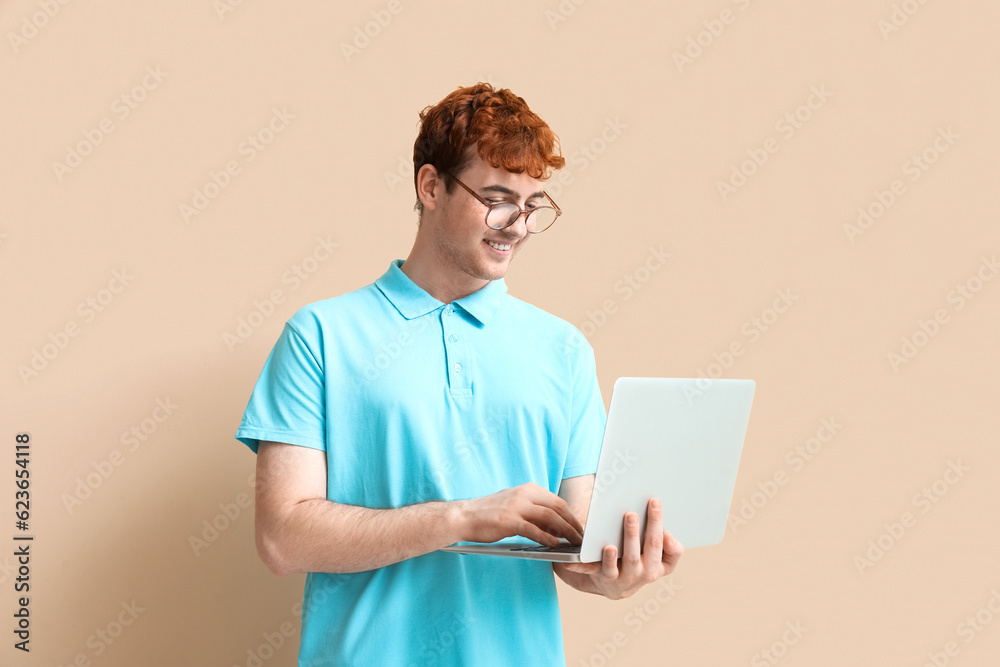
{"type": "Point", "coordinates": [287, 404]}
{"type": "Point", "coordinates": [587, 411]}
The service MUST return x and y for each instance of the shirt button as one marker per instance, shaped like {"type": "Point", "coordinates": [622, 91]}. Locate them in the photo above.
{"type": "Point", "coordinates": [458, 368]}
{"type": "Point", "coordinates": [453, 338]}
{"type": "Point", "coordinates": [447, 311]}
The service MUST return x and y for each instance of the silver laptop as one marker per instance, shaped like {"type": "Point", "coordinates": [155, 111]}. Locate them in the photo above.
{"type": "Point", "coordinates": [678, 440]}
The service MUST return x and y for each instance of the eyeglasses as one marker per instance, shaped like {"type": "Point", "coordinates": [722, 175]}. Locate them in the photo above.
{"type": "Point", "coordinates": [503, 214]}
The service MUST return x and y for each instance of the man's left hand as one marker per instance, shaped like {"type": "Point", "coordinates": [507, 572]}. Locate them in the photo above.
{"type": "Point", "coordinates": [618, 578]}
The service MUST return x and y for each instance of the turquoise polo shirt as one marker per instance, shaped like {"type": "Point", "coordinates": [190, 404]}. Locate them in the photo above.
{"type": "Point", "coordinates": [415, 400]}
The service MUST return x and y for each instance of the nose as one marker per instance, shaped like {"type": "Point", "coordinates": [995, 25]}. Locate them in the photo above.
{"type": "Point", "coordinates": [519, 227]}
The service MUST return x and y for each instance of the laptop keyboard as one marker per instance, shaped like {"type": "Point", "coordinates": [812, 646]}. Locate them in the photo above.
{"type": "Point", "coordinates": [561, 549]}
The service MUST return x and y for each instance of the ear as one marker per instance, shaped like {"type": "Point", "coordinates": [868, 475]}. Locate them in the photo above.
{"type": "Point", "coordinates": [430, 187]}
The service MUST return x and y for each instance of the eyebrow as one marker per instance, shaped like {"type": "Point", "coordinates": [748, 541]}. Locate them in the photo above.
{"type": "Point", "coordinates": [508, 191]}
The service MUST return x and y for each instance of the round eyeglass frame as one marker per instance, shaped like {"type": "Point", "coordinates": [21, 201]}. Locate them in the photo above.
{"type": "Point", "coordinates": [527, 212]}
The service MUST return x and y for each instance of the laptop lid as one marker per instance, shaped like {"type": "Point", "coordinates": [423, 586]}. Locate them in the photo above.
{"type": "Point", "coordinates": [676, 439]}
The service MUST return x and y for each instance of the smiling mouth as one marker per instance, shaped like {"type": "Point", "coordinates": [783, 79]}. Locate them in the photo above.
{"type": "Point", "coordinates": [502, 247]}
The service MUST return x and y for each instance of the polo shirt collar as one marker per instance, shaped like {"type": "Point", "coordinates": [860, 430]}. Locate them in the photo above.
{"type": "Point", "coordinates": [412, 301]}
{"type": "Point", "coordinates": [483, 304]}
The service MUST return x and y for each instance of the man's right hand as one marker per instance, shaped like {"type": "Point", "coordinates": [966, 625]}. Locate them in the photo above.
{"type": "Point", "coordinates": [527, 510]}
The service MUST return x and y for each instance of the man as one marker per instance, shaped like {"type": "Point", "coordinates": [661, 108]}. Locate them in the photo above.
{"type": "Point", "coordinates": [431, 407]}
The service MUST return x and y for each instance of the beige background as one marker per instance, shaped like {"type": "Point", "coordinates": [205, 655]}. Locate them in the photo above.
{"type": "Point", "coordinates": [338, 170]}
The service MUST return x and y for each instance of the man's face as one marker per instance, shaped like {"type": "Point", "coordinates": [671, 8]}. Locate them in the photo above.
{"type": "Point", "coordinates": [461, 238]}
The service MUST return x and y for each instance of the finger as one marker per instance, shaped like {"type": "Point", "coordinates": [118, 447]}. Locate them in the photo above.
{"type": "Point", "coordinates": [552, 522]}
{"type": "Point", "coordinates": [609, 562]}
{"type": "Point", "coordinates": [652, 552]}
{"type": "Point", "coordinates": [533, 532]}
{"type": "Point", "coordinates": [672, 552]}
{"type": "Point", "coordinates": [631, 559]}
{"type": "Point", "coordinates": [559, 506]}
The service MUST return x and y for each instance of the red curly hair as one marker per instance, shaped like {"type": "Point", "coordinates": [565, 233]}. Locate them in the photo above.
{"type": "Point", "coordinates": [506, 132]}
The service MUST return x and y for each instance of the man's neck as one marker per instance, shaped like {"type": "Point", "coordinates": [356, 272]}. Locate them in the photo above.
{"type": "Point", "coordinates": [444, 287]}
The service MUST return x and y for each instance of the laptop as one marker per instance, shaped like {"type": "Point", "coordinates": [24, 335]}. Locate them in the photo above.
{"type": "Point", "coordinates": [675, 439]}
